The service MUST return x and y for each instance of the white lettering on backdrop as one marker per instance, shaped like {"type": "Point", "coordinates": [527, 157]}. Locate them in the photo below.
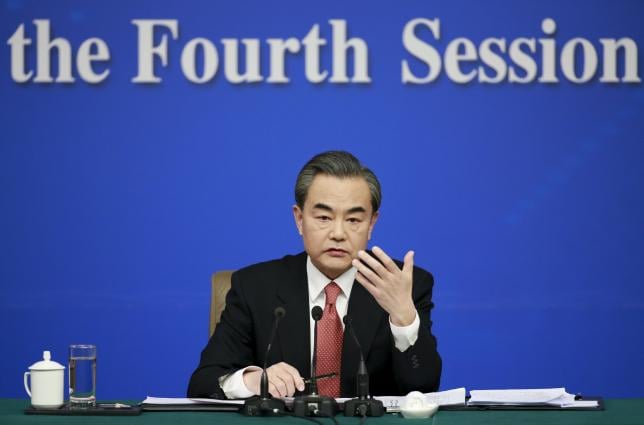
{"type": "Point", "coordinates": [493, 60]}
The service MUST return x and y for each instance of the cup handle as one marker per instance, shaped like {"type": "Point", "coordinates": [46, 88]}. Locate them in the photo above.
{"type": "Point", "coordinates": [26, 386]}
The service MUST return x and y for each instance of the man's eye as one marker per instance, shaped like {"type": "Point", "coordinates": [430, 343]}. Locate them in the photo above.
{"type": "Point", "coordinates": [354, 220]}
{"type": "Point", "coordinates": [324, 218]}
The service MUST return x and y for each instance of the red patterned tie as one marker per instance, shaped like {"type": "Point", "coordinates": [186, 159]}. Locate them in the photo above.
{"type": "Point", "coordinates": [329, 343]}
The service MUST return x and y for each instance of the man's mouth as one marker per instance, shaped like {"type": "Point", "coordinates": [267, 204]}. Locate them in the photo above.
{"type": "Point", "coordinates": [336, 252]}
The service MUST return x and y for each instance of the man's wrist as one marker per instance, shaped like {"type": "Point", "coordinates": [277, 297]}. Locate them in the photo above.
{"type": "Point", "coordinates": [403, 318]}
{"type": "Point", "coordinates": [234, 385]}
{"type": "Point", "coordinates": [406, 336]}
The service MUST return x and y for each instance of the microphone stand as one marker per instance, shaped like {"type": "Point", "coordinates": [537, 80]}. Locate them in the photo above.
{"type": "Point", "coordinates": [313, 404]}
{"type": "Point", "coordinates": [364, 404]}
{"type": "Point", "coordinates": [264, 404]}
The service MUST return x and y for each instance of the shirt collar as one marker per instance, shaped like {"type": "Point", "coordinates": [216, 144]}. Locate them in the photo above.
{"type": "Point", "coordinates": [318, 281]}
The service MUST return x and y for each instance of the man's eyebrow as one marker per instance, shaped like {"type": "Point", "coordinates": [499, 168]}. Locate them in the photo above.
{"type": "Point", "coordinates": [356, 210]}
{"type": "Point", "coordinates": [352, 210]}
{"type": "Point", "coordinates": [321, 206]}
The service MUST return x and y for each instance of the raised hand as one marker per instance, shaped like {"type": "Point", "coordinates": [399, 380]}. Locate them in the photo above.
{"type": "Point", "coordinates": [389, 285]}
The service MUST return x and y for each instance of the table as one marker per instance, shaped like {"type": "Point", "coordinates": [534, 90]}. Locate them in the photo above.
{"type": "Point", "coordinates": [618, 412]}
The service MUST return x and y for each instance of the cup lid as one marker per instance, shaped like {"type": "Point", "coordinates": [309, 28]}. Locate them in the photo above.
{"type": "Point", "coordinates": [46, 363]}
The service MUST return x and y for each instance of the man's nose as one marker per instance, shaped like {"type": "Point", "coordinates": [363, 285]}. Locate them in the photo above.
{"type": "Point", "coordinates": [337, 231]}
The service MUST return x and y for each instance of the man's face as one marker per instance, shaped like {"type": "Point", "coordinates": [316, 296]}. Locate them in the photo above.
{"type": "Point", "coordinates": [336, 222]}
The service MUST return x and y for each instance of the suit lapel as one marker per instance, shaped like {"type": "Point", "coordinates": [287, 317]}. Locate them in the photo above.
{"type": "Point", "coordinates": [365, 315]}
{"type": "Point", "coordinates": [293, 295]}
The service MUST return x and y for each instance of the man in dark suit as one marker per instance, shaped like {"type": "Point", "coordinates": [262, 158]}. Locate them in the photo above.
{"type": "Point", "coordinates": [389, 302]}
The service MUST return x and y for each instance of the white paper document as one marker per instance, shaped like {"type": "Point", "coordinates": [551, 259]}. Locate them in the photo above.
{"type": "Point", "coordinates": [188, 401]}
{"type": "Point", "coordinates": [453, 397]}
{"type": "Point", "coordinates": [527, 397]}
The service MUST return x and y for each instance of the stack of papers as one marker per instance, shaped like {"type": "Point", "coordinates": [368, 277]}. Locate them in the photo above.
{"type": "Point", "coordinates": [556, 397]}
{"type": "Point", "coordinates": [189, 401]}
{"type": "Point", "coordinates": [188, 404]}
{"type": "Point", "coordinates": [529, 397]}
{"type": "Point", "coordinates": [454, 397]}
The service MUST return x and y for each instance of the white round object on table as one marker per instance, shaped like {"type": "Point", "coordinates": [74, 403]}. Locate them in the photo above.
{"type": "Point", "coordinates": [415, 406]}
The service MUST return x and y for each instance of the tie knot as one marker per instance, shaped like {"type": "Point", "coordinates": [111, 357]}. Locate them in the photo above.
{"type": "Point", "coordinates": [332, 290]}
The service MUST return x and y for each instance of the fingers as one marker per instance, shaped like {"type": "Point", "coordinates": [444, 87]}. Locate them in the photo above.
{"type": "Point", "coordinates": [284, 380]}
{"type": "Point", "coordinates": [284, 387]}
{"type": "Point", "coordinates": [408, 262]}
{"type": "Point", "coordinates": [369, 267]}
{"type": "Point", "coordinates": [272, 389]}
{"type": "Point", "coordinates": [377, 269]}
{"type": "Point", "coordinates": [366, 283]}
{"type": "Point", "coordinates": [385, 259]}
{"type": "Point", "coordinates": [389, 285]}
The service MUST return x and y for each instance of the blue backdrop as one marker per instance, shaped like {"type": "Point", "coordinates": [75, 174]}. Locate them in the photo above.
{"type": "Point", "coordinates": [118, 200]}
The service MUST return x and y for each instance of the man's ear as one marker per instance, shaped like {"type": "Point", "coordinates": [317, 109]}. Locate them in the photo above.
{"type": "Point", "coordinates": [372, 223]}
{"type": "Point", "coordinates": [297, 215]}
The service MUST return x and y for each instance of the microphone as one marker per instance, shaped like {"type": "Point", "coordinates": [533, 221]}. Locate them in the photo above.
{"type": "Point", "coordinates": [316, 315]}
{"type": "Point", "coordinates": [363, 405]}
{"type": "Point", "coordinates": [313, 404]}
{"type": "Point", "coordinates": [279, 312]}
{"type": "Point", "coordinates": [264, 404]}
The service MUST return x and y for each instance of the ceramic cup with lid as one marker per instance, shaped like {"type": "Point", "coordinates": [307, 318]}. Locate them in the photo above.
{"type": "Point", "coordinates": [47, 383]}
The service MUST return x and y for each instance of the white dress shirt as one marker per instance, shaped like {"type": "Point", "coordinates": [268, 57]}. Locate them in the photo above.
{"type": "Point", "coordinates": [404, 337]}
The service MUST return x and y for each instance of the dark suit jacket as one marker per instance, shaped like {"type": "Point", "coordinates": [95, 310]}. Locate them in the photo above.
{"type": "Point", "coordinates": [241, 337]}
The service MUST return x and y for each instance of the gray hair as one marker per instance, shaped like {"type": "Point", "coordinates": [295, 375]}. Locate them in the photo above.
{"type": "Point", "coordinates": [339, 164]}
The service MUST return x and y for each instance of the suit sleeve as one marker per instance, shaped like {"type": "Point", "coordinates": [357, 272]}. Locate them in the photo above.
{"type": "Point", "coordinates": [419, 367]}
{"type": "Point", "coordinates": [229, 349]}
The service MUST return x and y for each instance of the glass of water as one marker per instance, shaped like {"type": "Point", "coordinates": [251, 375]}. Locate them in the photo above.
{"type": "Point", "coordinates": [82, 376]}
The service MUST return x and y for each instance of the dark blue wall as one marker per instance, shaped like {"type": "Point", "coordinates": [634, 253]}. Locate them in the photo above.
{"type": "Point", "coordinates": [118, 200]}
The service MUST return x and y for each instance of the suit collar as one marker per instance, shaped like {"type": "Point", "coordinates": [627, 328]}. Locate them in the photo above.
{"type": "Point", "coordinates": [317, 281]}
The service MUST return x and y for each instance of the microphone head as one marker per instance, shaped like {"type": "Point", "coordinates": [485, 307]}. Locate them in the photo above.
{"type": "Point", "coordinates": [346, 320]}
{"type": "Point", "coordinates": [316, 313]}
{"type": "Point", "coordinates": [279, 312]}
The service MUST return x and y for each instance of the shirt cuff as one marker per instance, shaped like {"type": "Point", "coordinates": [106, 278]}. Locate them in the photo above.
{"type": "Point", "coordinates": [233, 384]}
{"type": "Point", "coordinates": [405, 336]}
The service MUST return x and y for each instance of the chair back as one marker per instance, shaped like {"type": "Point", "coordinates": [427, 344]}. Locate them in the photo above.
{"type": "Point", "coordinates": [220, 283]}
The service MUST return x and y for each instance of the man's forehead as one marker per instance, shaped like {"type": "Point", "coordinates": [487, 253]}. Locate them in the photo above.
{"type": "Point", "coordinates": [339, 193]}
